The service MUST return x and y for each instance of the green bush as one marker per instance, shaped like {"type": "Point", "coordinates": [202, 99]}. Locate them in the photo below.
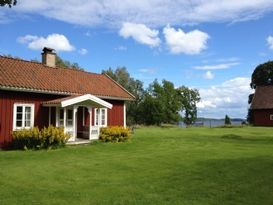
{"type": "Point", "coordinates": [50, 137]}
{"type": "Point", "coordinates": [114, 134]}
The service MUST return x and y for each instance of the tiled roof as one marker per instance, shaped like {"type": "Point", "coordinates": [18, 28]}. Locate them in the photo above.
{"type": "Point", "coordinates": [263, 98]}
{"type": "Point", "coordinates": [26, 75]}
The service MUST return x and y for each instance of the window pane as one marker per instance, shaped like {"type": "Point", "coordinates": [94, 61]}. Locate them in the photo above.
{"type": "Point", "coordinates": [69, 122]}
{"type": "Point", "coordinates": [61, 113]}
{"type": "Point", "coordinates": [19, 116]}
{"type": "Point", "coordinates": [61, 122]}
{"type": "Point", "coordinates": [27, 123]}
{"type": "Point", "coordinates": [27, 109]}
{"type": "Point", "coordinates": [97, 116]}
{"type": "Point", "coordinates": [27, 116]}
{"type": "Point", "coordinates": [18, 123]}
{"type": "Point", "coordinates": [19, 109]}
{"type": "Point", "coordinates": [70, 114]}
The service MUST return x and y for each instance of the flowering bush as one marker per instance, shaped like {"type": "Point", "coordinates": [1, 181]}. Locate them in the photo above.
{"type": "Point", "coordinates": [114, 134]}
{"type": "Point", "coordinates": [34, 138]}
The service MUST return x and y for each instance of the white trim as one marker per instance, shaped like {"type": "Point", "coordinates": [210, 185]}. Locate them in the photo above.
{"type": "Point", "coordinates": [88, 97]}
{"type": "Point", "coordinates": [124, 115]}
{"type": "Point", "coordinates": [23, 105]}
{"type": "Point", "coordinates": [90, 121]}
{"type": "Point", "coordinates": [83, 116]}
{"type": "Point", "coordinates": [49, 116]}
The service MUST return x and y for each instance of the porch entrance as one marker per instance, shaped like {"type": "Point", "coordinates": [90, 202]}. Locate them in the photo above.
{"type": "Point", "coordinates": [81, 116]}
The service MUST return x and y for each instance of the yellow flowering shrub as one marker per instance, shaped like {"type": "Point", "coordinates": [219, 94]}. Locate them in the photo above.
{"type": "Point", "coordinates": [34, 138]}
{"type": "Point", "coordinates": [114, 134]}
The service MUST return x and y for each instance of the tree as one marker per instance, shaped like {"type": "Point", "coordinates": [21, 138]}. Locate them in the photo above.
{"type": "Point", "coordinates": [227, 120]}
{"type": "Point", "coordinates": [189, 98]}
{"type": "Point", "coordinates": [8, 2]}
{"type": "Point", "coordinates": [168, 97]}
{"type": "Point", "coordinates": [262, 75]}
{"type": "Point", "coordinates": [122, 76]}
{"type": "Point", "coordinates": [151, 110]}
{"type": "Point", "coordinates": [66, 64]}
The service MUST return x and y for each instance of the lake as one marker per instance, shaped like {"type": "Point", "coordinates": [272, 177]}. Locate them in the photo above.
{"type": "Point", "coordinates": [213, 123]}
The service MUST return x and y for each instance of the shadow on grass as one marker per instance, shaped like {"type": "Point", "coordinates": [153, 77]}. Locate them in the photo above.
{"type": "Point", "coordinates": [224, 181]}
{"type": "Point", "coordinates": [260, 139]}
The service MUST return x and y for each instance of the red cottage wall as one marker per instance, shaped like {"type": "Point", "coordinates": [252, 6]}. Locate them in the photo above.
{"type": "Point", "coordinates": [116, 114]}
{"type": "Point", "coordinates": [262, 117]}
{"type": "Point", "coordinates": [7, 100]}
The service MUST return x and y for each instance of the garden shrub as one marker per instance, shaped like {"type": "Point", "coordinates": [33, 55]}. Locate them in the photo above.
{"type": "Point", "coordinates": [53, 137]}
{"type": "Point", "coordinates": [48, 137]}
{"type": "Point", "coordinates": [114, 134]}
{"type": "Point", "coordinates": [26, 138]}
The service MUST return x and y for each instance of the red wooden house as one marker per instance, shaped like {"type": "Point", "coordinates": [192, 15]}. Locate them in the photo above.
{"type": "Point", "coordinates": [41, 94]}
{"type": "Point", "coordinates": [262, 106]}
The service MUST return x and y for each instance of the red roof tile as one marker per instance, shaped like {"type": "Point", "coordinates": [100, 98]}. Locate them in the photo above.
{"type": "Point", "coordinates": [21, 74]}
{"type": "Point", "coordinates": [263, 98]}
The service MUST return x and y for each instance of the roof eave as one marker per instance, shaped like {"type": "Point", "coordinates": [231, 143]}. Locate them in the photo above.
{"type": "Point", "coordinates": [31, 90]}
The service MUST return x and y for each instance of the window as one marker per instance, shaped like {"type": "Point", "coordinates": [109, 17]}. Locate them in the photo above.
{"type": "Point", "coordinates": [271, 117]}
{"type": "Point", "coordinates": [69, 118]}
{"type": "Point", "coordinates": [101, 117]}
{"type": "Point", "coordinates": [23, 116]}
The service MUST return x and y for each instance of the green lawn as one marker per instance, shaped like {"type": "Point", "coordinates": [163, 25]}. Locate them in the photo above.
{"type": "Point", "coordinates": [159, 166]}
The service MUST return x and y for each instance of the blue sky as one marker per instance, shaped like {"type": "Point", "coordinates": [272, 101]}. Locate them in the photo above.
{"type": "Point", "coordinates": [209, 45]}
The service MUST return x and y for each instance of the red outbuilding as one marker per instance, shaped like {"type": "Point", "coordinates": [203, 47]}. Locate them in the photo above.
{"type": "Point", "coordinates": [262, 106]}
{"type": "Point", "coordinates": [41, 94]}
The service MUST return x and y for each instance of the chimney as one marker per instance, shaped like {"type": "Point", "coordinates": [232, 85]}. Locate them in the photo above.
{"type": "Point", "coordinates": [49, 57]}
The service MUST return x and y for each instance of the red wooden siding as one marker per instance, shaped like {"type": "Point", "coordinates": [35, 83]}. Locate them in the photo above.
{"type": "Point", "coordinates": [41, 113]}
{"type": "Point", "coordinates": [7, 100]}
{"type": "Point", "coordinates": [116, 114]}
{"type": "Point", "coordinates": [262, 117]}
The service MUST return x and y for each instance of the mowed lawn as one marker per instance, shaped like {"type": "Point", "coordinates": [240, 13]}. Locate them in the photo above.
{"type": "Point", "coordinates": [159, 166]}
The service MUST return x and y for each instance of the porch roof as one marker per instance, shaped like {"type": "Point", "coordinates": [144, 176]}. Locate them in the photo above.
{"type": "Point", "coordinates": [88, 99]}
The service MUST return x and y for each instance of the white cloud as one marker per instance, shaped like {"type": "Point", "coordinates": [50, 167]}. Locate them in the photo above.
{"type": "Point", "coordinates": [191, 43]}
{"type": "Point", "coordinates": [270, 42]}
{"type": "Point", "coordinates": [149, 12]}
{"type": "Point", "coordinates": [230, 97]}
{"type": "Point", "coordinates": [121, 48]}
{"type": "Point", "coordinates": [140, 33]}
{"type": "Point", "coordinates": [56, 41]}
{"type": "Point", "coordinates": [208, 75]}
{"type": "Point", "coordinates": [83, 51]}
{"type": "Point", "coordinates": [147, 70]}
{"type": "Point", "coordinates": [220, 66]}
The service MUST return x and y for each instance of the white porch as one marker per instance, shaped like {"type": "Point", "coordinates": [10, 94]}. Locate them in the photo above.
{"type": "Point", "coordinates": [75, 114]}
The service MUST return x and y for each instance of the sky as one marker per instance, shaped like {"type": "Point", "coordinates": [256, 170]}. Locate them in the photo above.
{"type": "Point", "coordinates": [210, 45]}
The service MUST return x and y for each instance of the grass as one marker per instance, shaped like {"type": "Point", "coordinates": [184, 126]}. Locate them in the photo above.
{"type": "Point", "coordinates": [159, 166]}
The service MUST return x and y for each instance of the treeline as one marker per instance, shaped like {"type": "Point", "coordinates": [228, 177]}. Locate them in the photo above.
{"type": "Point", "coordinates": [160, 103]}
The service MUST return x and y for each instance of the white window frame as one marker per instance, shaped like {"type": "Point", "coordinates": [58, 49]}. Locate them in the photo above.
{"type": "Point", "coordinates": [98, 119]}
{"type": "Point", "coordinates": [23, 105]}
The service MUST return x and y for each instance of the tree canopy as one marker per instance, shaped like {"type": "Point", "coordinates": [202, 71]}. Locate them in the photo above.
{"type": "Point", "coordinates": [262, 75]}
{"type": "Point", "coordinates": [8, 2]}
{"type": "Point", "coordinates": [160, 103]}
{"type": "Point", "coordinates": [66, 64]}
